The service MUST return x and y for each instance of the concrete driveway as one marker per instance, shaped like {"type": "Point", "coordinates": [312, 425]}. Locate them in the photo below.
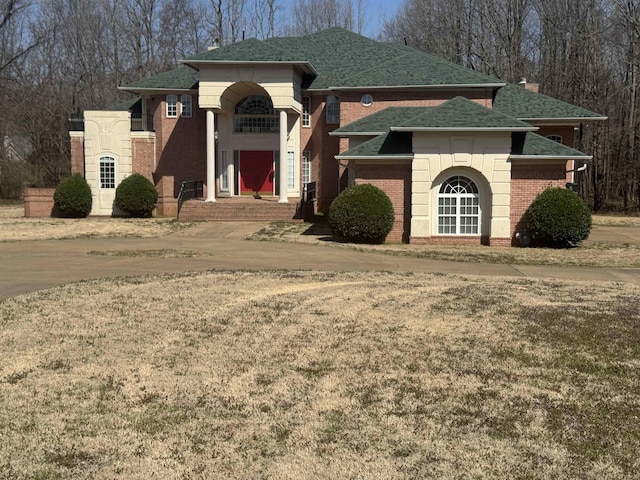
{"type": "Point", "coordinates": [33, 265]}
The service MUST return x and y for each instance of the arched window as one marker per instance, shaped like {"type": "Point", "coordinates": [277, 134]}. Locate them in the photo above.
{"type": "Point", "coordinates": [458, 207]}
{"type": "Point", "coordinates": [107, 172]}
{"type": "Point", "coordinates": [255, 114]}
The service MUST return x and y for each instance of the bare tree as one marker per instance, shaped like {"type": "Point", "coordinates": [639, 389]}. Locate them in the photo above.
{"type": "Point", "coordinates": [310, 16]}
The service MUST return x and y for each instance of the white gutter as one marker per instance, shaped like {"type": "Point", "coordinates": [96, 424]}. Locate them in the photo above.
{"type": "Point", "coordinates": [463, 129]}
{"type": "Point", "coordinates": [395, 87]}
{"type": "Point", "coordinates": [408, 156]}
{"type": "Point", "coordinates": [564, 120]}
{"type": "Point", "coordinates": [355, 134]}
{"type": "Point", "coordinates": [150, 89]}
{"type": "Point", "coordinates": [551, 157]}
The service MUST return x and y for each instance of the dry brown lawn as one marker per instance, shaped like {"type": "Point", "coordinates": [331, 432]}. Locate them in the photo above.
{"type": "Point", "coordinates": [14, 226]}
{"type": "Point", "coordinates": [292, 375]}
{"type": "Point", "coordinates": [619, 255]}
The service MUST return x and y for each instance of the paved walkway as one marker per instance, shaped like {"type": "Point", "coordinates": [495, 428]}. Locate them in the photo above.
{"type": "Point", "coordinates": [33, 265]}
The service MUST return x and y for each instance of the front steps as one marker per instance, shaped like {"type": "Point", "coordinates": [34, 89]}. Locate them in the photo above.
{"type": "Point", "coordinates": [244, 209]}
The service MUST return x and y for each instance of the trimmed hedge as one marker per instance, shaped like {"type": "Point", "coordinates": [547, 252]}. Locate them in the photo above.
{"type": "Point", "coordinates": [137, 196]}
{"type": "Point", "coordinates": [72, 197]}
{"type": "Point", "coordinates": [558, 218]}
{"type": "Point", "coordinates": [361, 214]}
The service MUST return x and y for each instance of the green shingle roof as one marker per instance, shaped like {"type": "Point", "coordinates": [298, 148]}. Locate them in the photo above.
{"type": "Point", "coordinates": [461, 113]}
{"type": "Point", "coordinates": [538, 146]}
{"type": "Point", "coordinates": [389, 144]}
{"type": "Point", "coordinates": [380, 122]}
{"type": "Point", "coordinates": [519, 102]}
{"type": "Point", "coordinates": [458, 113]}
{"type": "Point", "coordinates": [181, 78]}
{"type": "Point", "coordinates": [131, 104]}
{"type": "Point", "coordinates": [344, 59]}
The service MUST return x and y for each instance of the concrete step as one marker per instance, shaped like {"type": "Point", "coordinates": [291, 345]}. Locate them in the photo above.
{"type": "Point", "coordinates": [240, 210]}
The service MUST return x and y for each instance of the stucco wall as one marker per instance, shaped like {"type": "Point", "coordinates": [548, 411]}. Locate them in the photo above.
{"type": "Point", "coordinates": [106, 134]}
{"type": "Point", "coordinates": [222, 86]}
{"type": "Point", "coordinates": [483, 158]}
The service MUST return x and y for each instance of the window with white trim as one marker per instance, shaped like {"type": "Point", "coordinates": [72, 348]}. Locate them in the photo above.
{"type": "Point", "coordinates": [306, 167]}
{"type": "Point", "coordinates": [107, 172]}
{"type": "Point", "coordinates": [306, 111]}
{"type": "Point", "coordinates": [172, 106]}
{"type": "Point", "coordinates": [458, 207]}
{"type": "Point", "coordinates": [555, 138]}
{"type": "Point", "coordinates": [291, 170]}
{"type": "Point", "coordinates": [185, 106]}
{"type": "Point", "coordinates": [333, 109]}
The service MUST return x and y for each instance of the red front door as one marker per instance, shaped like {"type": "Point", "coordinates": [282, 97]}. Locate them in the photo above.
{"type": "Point", "coordinates": [256, 173]}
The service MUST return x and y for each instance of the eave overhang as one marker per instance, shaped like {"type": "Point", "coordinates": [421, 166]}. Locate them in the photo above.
{"type": "Point", "coordinates": [355, 134]}
{"type": "Point", "coordinates": [151, 90]}
{"type": "Point", "coordinates": [304, 66]}
{"type": "Point", "coordinates": [563, 121]}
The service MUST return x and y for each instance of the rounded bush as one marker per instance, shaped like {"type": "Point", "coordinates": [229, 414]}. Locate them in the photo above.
{"type": "Point", "coordinates": [558, 218]}
{"type": "Point", "coordinates": [72, 197]}
{"type": "Point", "coordinates": [136, 196]}
{"type": "Point", "coordinates": [362, 214]}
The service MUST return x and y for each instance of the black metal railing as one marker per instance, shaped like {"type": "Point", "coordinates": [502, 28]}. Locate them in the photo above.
{"type": "Point", "coordinates": [141, 123]}
{"type": "Point", "coordinates": [309, 192]}
{"type": "Point", "coordinates": [188, 190]}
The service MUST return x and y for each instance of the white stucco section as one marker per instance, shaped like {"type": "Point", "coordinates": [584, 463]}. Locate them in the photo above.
{"type": "Point", "coordinates": [483, 157]}
{"type": "Point", "coordinates": [106, 134]}
{"type": "Point", "coordinates": [222, 86]}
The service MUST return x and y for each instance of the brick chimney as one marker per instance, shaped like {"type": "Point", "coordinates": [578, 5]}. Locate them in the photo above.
{"type": "Point", "coordinates": [532, 87]}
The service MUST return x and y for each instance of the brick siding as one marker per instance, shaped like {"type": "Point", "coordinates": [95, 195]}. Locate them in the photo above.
{"type": "Point", "coordinates": [38, 202]}
{"type": "Point", "coordinates": [527, 181]}
{"type": "Point", "coordinates": [77, 155]}
{"type": "Point", "coordinates": [142, 153]}
{"type": "Point", "coordinates": [395, 181]}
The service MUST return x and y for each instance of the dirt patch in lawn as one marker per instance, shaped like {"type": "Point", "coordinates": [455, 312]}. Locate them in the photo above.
{"type": "Point", "coordinates": [321, 375]}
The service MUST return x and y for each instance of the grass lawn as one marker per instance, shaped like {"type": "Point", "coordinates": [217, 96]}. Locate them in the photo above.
{"type": "Point", "coordinates": [288, 375]}
{"type": "Point", "coordinates": [590, 254]}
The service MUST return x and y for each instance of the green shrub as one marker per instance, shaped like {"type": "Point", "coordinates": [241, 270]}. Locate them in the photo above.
{"type": "Point", "coordinates": [558, 218]}
{"type": "Point", "coordinates": [73, 198]}
{"type": "Point", "coordinates": [137, 196]}
{"type": "Point", "coordinates": [362, 214]}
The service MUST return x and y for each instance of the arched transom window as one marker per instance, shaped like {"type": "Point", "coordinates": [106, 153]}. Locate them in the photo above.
{"type": "Point", "coordinates": [458, 207]}
{"type": "Point", "coordinates": [255, 114]}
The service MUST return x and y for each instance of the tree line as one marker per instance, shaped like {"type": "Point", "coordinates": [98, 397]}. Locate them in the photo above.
{"type": "Point", "coordinates": [60, 57]}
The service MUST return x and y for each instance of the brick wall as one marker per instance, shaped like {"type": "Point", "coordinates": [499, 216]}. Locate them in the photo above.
{"type": "Point", "coordinates": [142, 154]}
{"type": "Point", "coordinates": [351, 109]}
{"type": "Point", "coordinates": [167, 203]}
{"type": "Point", "coordinates": [395, 181]}
{"type": "Point", "coordinates": [77, 155]}
{"type": "Point", "coordinates": [527, 181]}
{"type": "Point", "coordinates": [180, 143]}
{"type": "Point", "coordinates": [38, 202]}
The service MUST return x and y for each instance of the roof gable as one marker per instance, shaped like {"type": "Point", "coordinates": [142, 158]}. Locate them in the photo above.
{"type": "Point", "coordinates": [532, 145]}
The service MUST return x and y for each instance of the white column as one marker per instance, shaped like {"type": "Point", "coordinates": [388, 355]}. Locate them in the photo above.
{"type": "Point", "coordinates": [211, 156]}
{"type": "Point", "coordinates": [284, 198]}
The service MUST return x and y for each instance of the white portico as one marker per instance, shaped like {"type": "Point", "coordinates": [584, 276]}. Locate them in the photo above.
{"type": "Point", "coordinates": [252, 127]}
